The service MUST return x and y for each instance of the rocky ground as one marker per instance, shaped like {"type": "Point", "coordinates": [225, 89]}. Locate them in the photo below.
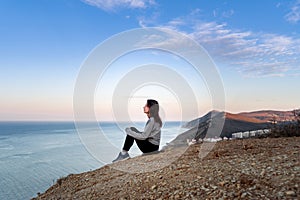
{"type": "Point", "coordinates": [238, 169]}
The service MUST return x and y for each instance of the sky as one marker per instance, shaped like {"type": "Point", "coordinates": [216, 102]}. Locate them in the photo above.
{"type": "Point", "coordinates": [255, 46]}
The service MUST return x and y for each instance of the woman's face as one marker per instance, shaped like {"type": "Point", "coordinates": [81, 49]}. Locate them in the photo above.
{"type": "Point", "coordinates": [146, 109]}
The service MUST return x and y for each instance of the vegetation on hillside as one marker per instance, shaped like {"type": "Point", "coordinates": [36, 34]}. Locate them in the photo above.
{"type": "Point", "coordinates": [286, 129]}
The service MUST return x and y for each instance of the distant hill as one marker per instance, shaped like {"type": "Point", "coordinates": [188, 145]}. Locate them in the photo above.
{"type": "Point", "coordinates": [232, 123]}
{"type": "Point", "coordinates": [270, 115]}
{"type": "Point", "coordinates": [245, 117]}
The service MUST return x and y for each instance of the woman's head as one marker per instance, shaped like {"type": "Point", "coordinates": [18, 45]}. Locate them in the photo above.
{"type": "Point", "coordinates": [149, 104]}
{"type": "Point", "coordinates": [152, 110]}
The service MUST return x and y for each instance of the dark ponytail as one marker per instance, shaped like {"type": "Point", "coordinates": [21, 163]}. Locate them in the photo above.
{"type": "Point", "coordinates": [154, 110]}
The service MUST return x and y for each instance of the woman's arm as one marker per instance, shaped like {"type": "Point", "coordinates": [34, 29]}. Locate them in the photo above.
{"type": "Point", "coordinates": [135, 130]}
{"type": "Point", "coordinates": [142, 135]}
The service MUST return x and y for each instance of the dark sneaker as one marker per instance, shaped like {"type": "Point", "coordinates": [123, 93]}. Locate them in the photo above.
{"type": "Point", "coordinates": [121, 157]}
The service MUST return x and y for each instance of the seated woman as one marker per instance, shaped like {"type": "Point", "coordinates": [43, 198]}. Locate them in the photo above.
{"type": "Point", "coordinates": [148, 140]}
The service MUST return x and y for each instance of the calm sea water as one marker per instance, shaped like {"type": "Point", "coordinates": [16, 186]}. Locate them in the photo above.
{"type": "Point", "coordinates": [35, 154]}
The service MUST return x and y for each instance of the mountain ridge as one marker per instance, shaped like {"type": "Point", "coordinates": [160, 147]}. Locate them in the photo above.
{"type": "Point", "coordinates": [259, 116]}
{"type": "Point", "coordinates": [224, 124]}
{"type": "Point", "coordinates": [270, 115]}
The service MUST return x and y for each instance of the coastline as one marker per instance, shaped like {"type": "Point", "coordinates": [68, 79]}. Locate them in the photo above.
{"type": "Point", "coordinates": [249, 168]}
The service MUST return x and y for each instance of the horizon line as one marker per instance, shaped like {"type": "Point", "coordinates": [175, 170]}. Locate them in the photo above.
{"type": "Point", "coordinates": [126, 121]}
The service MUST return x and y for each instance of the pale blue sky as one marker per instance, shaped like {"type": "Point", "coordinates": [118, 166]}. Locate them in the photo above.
{"type": "Point", "coordinates": [255, 45]}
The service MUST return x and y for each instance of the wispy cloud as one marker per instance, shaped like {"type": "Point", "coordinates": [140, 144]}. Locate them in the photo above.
{"type": "Point", "coordinates": [110, 5]}
{"type": "Point", "coordinates": [145, 21]}
{"type": "Point", "coordinates": [223, 14]}
{"type": "Point", "coordinates": [294, 15]}
{"type": "Point", "coordinates": [252, 54]}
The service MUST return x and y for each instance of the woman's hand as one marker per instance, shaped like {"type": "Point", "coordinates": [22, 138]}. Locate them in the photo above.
{"type": "Point", "coordinates": [134, 129]}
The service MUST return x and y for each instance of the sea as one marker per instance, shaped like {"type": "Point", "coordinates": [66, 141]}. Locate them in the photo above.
{"type": "Point", "coordinates": [35, 154]}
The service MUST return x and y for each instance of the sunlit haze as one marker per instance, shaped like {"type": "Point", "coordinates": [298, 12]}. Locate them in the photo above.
{"type": "Point", "coordinates": [255, 46]}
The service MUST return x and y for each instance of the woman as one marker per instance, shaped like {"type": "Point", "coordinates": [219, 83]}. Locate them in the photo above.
{"type": "Point", "coordinates": [148, 140]}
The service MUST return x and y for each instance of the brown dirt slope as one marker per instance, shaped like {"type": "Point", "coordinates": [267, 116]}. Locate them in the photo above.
{"type": "Point", "coordinates": [239, 169]}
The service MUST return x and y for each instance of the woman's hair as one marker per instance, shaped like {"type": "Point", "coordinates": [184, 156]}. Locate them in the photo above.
{"type": "Point", "coordinates": [153, 110]}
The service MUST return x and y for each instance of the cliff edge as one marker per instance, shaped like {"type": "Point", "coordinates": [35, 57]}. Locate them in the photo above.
{"type": "Point", "coordinates": [266, 168]}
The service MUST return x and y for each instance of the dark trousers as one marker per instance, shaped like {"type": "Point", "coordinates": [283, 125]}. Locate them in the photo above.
{"type": "Point", "coordinates": [144, 145]}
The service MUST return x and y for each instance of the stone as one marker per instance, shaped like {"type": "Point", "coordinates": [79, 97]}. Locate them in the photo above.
{"type": "Point", "coordinates": [153, 187]}
{"type": "Point", "coordinates": [290, 193]}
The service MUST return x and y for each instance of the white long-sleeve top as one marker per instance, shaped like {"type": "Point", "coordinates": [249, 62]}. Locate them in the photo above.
{"type": "Point", "coordinates": [151, 132]}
